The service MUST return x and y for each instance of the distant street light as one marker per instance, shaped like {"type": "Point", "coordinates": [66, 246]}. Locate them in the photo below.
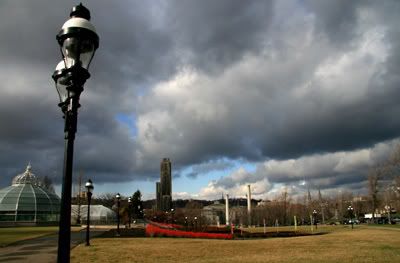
{"type": "Point", "coordinates": [78, 42]}
{"type": "Point", "coordinates": [118, 196]}
{"type": "Point", "coordinates": [351, 210]}
{"type": "Point", "coordinates": [315, 218]}
{"type": "Point", "coordinates": [89, 188]}
{"type": "Point", "coordinates": [129, 211]}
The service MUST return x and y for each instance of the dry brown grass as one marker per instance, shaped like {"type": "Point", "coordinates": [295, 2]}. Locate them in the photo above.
{"type": "Point", "coordinates": [9, 235]}
{"type": "Point", "coordinates": [341, 245]}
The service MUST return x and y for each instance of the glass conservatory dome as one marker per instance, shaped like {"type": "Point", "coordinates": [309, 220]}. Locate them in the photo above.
{"type": "Point", "coordinates": [26, 201]}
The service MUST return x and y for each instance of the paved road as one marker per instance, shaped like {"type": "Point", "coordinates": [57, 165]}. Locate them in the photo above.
{"type": "Point", "coordinates": [42, 249]}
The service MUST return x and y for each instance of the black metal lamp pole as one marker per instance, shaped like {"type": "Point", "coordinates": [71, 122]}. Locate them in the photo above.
{"type": "Point", "coordinates": [118, 196]}
{"type": "Point", "coordinates": [186, 223]}
{"type": "Point", "coordinates": [129, 211]}
{"type": "Point", "coordinates": [78, 42]}
{"type": "Point", "coordinates": [89, 188]}
{"type": "Point", "coordinates": [350, 210]}
{"type": "Point", "coordinates": [315, 218]}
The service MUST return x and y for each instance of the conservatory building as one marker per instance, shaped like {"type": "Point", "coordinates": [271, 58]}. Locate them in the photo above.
{"type": "Point", "coordinates": [25, 202]}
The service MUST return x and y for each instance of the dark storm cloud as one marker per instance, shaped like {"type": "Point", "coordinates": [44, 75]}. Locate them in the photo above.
{"type": "Point", "coordinates": [205, 80]}
{"type": "Point", "coordinates": [130, 54]}
{"type": "Point", "coordinates": [140, 44]}
{"type": "Point", "coordinates": [335, 19]}
{"type": "Point", "coordinates": [217, 33]}
{"type": "Point", "coordinates": [294, 98]}
{"type": "Point", "coordinates": [204, 168]}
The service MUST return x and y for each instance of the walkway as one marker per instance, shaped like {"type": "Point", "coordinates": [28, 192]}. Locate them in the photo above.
{"type": "Point", "coordinates": [42, 249]}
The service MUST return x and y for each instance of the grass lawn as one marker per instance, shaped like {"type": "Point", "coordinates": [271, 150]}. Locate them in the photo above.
{"type": "Point", "coordinates": [303, 229]}
{"type": "Point", "coordinates": [340, 244]}
{"type": "Point", "coordinates": [9, 235]}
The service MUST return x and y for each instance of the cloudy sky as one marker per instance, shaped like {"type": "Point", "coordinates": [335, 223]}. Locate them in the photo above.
{"type": "Point", "coordinates": [267, 93]}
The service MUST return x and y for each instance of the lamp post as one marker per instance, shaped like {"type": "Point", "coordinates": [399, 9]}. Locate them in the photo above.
{"type": "Point", "coordinates": [140, 212]}
{"type": "Point", "coordinates": [118, 196]}
{"type": "Point", "coordinates": [129, 211]}
{"type": "Point", "coordinates": [350, 210]}
{"type": "Point", "coordinates": [78, 42]}
{"type": "Point", "coordinates": [195, 223]}
{"type": "Point", "coordinates": [186, 223]}
{"type": "Point", "coordinates": [315, 218]}
{"type": "Point", "coordinates": [89, 188]}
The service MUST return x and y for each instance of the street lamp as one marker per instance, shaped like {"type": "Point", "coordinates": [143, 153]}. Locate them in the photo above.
{"type": "Point", "coordinates": [118, 196]}
{"type": "Point", "coordinates": [350, 210]}
{"type": "Point", "coordinates": [78, 42]}
{"type": "Point", "coordinates": [129, 211]}
{"type": "Point", "coordinates": [315, 218]}
{"type": "Point", "coordinates": [89, 188]}
{"type": "Point", "coordinates": [139, 212]}
{"type": "Point", "coordinates": [195, 223]}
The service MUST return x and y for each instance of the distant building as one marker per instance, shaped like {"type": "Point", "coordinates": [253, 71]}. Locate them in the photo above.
{"type": "Point", "coordinates": [360, 199]}
{"type": "Point", "coordinates": [99, 214]}
{"type": "Point", "coordinates": [215, 213]}
{"type": "Point", "coordinates": [26, 202]}
{"type": "Point", "coordinates": [82, 195]}
{"type": "Point", "coordinates": [164, 187]}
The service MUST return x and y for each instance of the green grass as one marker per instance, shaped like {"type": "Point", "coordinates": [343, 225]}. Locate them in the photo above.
{"type": "Point", "coordinates": [340, 244]}
{"type": "Point", "coordinates": [9, 235]}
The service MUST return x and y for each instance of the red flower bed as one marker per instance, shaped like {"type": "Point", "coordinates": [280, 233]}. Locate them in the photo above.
{"type": "Point", "coordinates": [169, 225]}
{"type": "Point", "coordinates": [153, 230]}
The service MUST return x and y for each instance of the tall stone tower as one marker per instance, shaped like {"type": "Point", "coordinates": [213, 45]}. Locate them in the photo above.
{"type": "Point", "coordinates": [164, 187]}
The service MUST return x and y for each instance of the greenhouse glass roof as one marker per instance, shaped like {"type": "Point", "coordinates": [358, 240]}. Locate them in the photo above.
{"type": "Point", "coordinates": [26, 201]}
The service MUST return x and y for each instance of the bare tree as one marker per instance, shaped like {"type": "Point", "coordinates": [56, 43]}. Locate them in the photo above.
{"type": "Point", "coordinates": [322, 205]}
{"type": "Point", "coordinates": [390, 175]}
{"type": "Point", "coordinates": [374, 175]}
{"type": "Point", "coordinates": [285, 203]}
{"type": "Point", "coordinates": [47, 184]}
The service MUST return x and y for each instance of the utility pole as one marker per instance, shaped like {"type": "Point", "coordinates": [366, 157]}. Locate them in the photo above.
{"type": "Point", "coordinates": [78, 218]}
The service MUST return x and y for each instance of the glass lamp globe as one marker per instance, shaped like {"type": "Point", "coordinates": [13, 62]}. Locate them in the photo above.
{"type": "Point", "coordinates": [78, 39]}
{"type": "Point", "coordinates": [89, 186]}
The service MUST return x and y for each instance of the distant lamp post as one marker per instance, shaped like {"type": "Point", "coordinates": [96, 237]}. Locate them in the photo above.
{"type": "Point", "coordinates": [118, 197]}
{"type": "Point", "coordinates": [89, 191]}
{"type": "Point", "coordinates": [129, 211]}
{"type": "Point", "coordinates": [195, 223]}
{"type": "Point", "coordinates": [314, 213]}
{"type": "Point", "coordinates": [172, 215]}
{"type": "Point", "coordinates": [186, 223]}
{"type": "Point", "coordinates": [351, 215]}
{"type": "Point", "coordinates": [78, 42]}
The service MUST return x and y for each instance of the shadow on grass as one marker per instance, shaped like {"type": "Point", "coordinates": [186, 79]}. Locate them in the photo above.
{"type": "Point", "coordinates": [124, 233]}
{"type": "Point", "coordinates": [140, 232]}
{"type": "Point", "coordinates": [249, 235]}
